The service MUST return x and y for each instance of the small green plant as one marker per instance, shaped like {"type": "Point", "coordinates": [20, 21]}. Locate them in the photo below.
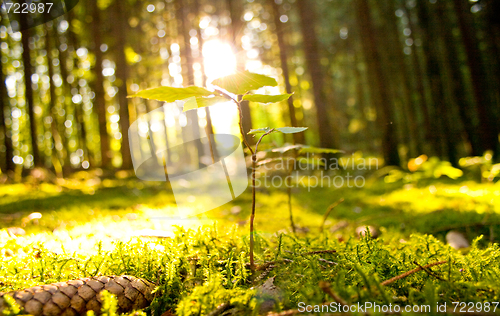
{"type": "Point", "coordinates": [299, 154]}
{"type": "Point", "coordinates": [235, 88]}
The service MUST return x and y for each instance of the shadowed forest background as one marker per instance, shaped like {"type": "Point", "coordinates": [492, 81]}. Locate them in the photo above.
{"type": "Point", "coordinates": [391, 79]}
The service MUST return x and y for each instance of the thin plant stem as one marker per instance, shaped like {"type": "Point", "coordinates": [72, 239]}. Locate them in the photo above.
{"type": "Point", "coordinates": [254, 167]}
{"type": "Point", "coordinates": [289, 192]}
{"type": "Point", "coordinates": [328, 211]}
{"type": "Point", "coordinates": [252, 216]}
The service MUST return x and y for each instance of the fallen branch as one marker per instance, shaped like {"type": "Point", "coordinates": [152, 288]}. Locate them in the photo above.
{"type": "Point", "coordinates": [429, 272]}
{"type": "Point", "coordinates": [404, 275]}
{"type": "Point", "coordinates": [318, 252]}
{"type": "Point", "coordinates": [325, 287]}
{"type": "Point", "coordinates": [285, 313]}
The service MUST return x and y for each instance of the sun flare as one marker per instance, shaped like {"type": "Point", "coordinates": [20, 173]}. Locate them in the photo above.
{"type": "Point", "coordinates": [219, 61]}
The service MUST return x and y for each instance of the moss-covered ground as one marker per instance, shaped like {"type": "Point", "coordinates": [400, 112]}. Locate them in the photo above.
{"type": "Point", "coordinates": [89, 225]}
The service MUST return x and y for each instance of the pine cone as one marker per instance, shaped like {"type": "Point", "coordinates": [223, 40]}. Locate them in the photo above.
{"type": "Point", "coordinates": [76, 297]}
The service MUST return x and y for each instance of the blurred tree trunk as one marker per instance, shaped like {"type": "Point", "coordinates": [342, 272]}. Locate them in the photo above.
{"type": "Point", "coordinates": [56, 155]}
{"type": "Point", "coordinates": [78, 118]}
{"type": "Point", "coordinates": [387, 44]}
{"type": "Point", "coordinates": [370, 131]}
{"type": "Point", "coordinates": [327, 136]}
{"type": "Point", "coordinates": [488, 129]}
{"type": "Point", "coordinates": [421, 96]}
{"type": "Point", "coordinates": [5, 108]}
{"type": "Point", "coordinates": [122, 71]}
{"type": "Point", "coordinates": [209, 129]}
{"type": "Point", "coordinates": [98, 85]}
{"type": "Point", "coordinates": [457, 81]}
{"type": "Point", "coordinates": [298, 138]}
{"type": "Point", "coordinates": [66, 87]}
{"type": "Point", "coordinates": [235, 10]}
{"type": "Point", "coordinates": [403, 76]}
{"type": "Point", "coordinates": [433, 47]}
{"type": "Point", "coordinates": [28, 94]}
{"type": "Point", "coordinates": [184, 17]}
{"type": "Point", "coordinates": [379, 90]}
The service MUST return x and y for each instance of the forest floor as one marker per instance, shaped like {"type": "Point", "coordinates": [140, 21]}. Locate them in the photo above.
{"type": "Point", "coordinates": [87, 225]}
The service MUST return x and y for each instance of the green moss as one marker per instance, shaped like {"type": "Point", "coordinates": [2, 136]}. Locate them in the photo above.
{"type": "Point", "coordinates": [204, 266]}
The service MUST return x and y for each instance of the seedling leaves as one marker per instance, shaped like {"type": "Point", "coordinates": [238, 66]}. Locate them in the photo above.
{"type": "Point", "coordinates": [170, 94]}
{"type": "Point", "coordinates": [201, 102]}
{"type": "Point", "coordinates": [243, 82]}
{"type": "Point", "coordinates": [317, 150]}
{"type": "Point", "coordinates": [259, 130]}
{"type": "Point", "coordinates": [290, 130]}
{"type": "Point", "coordinates": [263, 98]}
{"type": "Point", "coordinates": [284, 149]}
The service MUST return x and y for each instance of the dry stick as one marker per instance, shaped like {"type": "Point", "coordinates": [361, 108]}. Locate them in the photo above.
{"type": "Point", "coordinates": [325, 287]}
{"type": "Point", "coordinates": [285, 313]}
{"type": "Point", "coordinates": [429, 272]}
{"type": "Point", "coordinates": [318, 252]}
{"type": "Point", "coordinates": [404, 275]}
{"type": "Point", "coordinates": [328, 211]}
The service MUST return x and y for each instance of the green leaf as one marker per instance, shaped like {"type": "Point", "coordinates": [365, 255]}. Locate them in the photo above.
{"type": "Point", "coordinates": [310, 161]}
{"type": "Point", "coordinates": [291, 130]}
{"type": "Point", "coordinates": [244, 81]}
{"type": "Point", "coordinates": [201, 102]}
{"type": "Point", "coordinates": [259, 130]}
{"type": "Point", "coordinates": [170, 94]}
{"type": "Point", "coordinates": [263, 98]}
{"type": "Point", "coordinates": [317, 150]}
{"type": "Point", "coordinates": [284, 149]}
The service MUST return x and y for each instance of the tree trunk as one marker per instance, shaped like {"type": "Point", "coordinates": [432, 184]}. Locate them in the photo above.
{"type": "Point", "coordinates": [432, 48]}
{"type": "Point", "coordinates": [193, 126]}
{"type": "Point", "coordinates": [28, 94]}
{"type": "Point", "coordinates": [5, 108]}
{"type": "Point", "coordinates": [79, 122]}
{"type": "Point", "coordinates": [122, 71]}
{"type": "Point", "coordinates": [488, 129]}
{"type": "Point", "coordinates": [209, 129]}
{"type": "Point", "coordinates": [457, 81]}
{"type": "Point", "coordinates": [57, 160]}
{"type": "Point", "coordinates": [66, 87]}
{"type": "Point", "coordinates": [403, 76]}
{"type": "Point", "coordinates": [298, 138]}
{"type": "Point", "coordinates": [421, 96]}
{"type": "Point", "coordinates": [98, 86]}
{"type": "Point", "coordinates": [327, 136]}
{"type": "Point", "coordinates": [379, 92]}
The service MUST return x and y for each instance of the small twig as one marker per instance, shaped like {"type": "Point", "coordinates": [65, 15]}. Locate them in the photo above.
{"type": "Point", "coordinates": [328, 211]}
{"type": "Point", "coordinates": [326, 261]}
{"type": "Point", "coordinates": [404, 275]}
{"type": "Point", "coordinates": [264, 274]}
{"type": "Point", "coordinates": [325, 287]}
{"type": "Point", "coordinates": [285, 313]}
{"type": "Point", "coordinates": [429, 272]}
{"type": "Point", "coordinates": [260, 139]}
{"type": "Point", "coordinates": [317, 252]}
